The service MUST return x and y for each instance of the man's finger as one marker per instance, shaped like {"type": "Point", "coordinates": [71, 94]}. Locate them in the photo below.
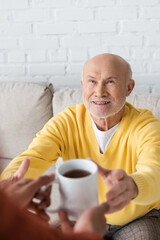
{"type": "Point", "coordinates": [102, 171]}
{"type": "Point", "coordinates": [22, 170]}
{"type": "Point", "coordinates": [118, 174]}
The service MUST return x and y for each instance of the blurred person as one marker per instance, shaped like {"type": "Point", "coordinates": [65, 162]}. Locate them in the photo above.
{"type": "Point", "coordinates": [16, 194]}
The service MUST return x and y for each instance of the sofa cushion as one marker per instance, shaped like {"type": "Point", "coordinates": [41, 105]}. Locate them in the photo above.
{"type": "Point", "coordinates": [66, 97]}
{"type": "Point", "coordinates": [24, 108]}
{"type": "Point", "coordinates": [70, 97]}
{"type": "Point", "coordinates": [147, 101]}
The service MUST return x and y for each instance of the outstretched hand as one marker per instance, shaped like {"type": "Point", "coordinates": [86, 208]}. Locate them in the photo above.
{"type": "Point", "coordinates": [21, 170]}
{"type": "Point", "coordinates": [24, 191]}
{"type": "Point", "coordinates": [122, 188]}
{"type": "Point", "coordinates": [92, 220]}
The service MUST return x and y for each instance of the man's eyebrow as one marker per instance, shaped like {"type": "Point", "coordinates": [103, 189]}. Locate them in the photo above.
{"type": "Point", "coordinates": [89, 76]}
{"type": "Point", "coordinates": [111, 77]}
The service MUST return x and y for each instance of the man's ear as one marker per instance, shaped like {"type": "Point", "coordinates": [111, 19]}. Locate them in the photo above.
{"type": "Point", "coordinates": [130, 87]}
{"type": "Point", "coordinates": [82, 83]}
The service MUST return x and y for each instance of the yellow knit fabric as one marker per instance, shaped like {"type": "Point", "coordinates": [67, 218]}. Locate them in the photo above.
{"type": "Point", "coordinates": [135, 148]}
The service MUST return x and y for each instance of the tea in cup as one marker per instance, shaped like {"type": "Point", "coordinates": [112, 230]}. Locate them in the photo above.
{"type": "Point", "coordinates": [78, 186]}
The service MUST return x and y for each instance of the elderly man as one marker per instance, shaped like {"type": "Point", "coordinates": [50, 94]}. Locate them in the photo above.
{"type": "Point", "coordinates": [122, 140]}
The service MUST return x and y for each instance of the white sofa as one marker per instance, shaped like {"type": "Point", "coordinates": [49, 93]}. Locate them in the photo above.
{"type": "Point", "coordinates": [26, 106]}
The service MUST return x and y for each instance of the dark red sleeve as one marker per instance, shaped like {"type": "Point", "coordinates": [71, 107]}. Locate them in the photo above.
{"type": "Point", "coordinates": [18, 224]}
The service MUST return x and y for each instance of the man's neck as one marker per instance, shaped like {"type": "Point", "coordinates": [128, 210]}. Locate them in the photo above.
{"type": "Point", "coordinates": [105, 124]}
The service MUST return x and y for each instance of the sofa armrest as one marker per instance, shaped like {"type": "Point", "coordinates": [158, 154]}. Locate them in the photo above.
{"type": "Point", "coordinates": [24, 109]}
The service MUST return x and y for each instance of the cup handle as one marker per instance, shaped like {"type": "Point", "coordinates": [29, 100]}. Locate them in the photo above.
{"type": "Point", "coordinates": [43, 188]}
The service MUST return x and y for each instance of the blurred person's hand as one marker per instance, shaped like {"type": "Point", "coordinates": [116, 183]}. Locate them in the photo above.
{"type": "Point", "coordinates": [25, 191]}
{"type": "Point", "coordinates": [19, 174]}
{"type": "Point", "coordinates": [92, 220]}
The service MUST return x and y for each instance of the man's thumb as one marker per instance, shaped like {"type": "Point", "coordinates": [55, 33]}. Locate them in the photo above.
{"type": "Point", "coordinates": [22, 169]}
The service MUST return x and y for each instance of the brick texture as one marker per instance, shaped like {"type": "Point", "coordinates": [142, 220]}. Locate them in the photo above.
{"type": "Point", "coordinates": [49, 40]}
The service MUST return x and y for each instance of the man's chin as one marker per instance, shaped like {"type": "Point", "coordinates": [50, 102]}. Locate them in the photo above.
{"type": "Point", "coordinates": [96, 114]}
{"type": "Point", "coordinates": [102, 115]}
{"type": "Point", "coordinates": [99, 115]}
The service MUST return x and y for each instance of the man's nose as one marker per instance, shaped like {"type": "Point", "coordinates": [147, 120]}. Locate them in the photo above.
{"type": "Point", "coordinates": [100, 91]}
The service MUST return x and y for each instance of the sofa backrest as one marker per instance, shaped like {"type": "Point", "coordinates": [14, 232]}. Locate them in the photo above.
{"type": "Point", "coordinates": [146, 101]}
{"type": "Point", "coordinates": [66, 97]}
{"type": "Point", "coordinates": [70, 97]}
{"type": "Point", "coordinates": [24, 108]}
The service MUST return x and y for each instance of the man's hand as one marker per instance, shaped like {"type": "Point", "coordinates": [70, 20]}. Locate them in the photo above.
{"type": "Point", "coordinates": [122, 188]}
{"type": "Point", "coordinates": [92, 220]}
{"type": "Point", "coordinates": [21, 170]}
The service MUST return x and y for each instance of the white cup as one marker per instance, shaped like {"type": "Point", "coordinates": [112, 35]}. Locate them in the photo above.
{"type": "Point", "coordinates": [77, 194]}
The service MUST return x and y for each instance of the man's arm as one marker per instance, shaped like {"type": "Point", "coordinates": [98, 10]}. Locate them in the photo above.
{"type": "Point", "coordinates": [42, 152]}
{"type": "Point", "coordinates": [147, 170]}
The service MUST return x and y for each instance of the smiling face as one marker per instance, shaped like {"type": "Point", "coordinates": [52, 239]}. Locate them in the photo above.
{"type": "Point", "coordinates": [105, 85]}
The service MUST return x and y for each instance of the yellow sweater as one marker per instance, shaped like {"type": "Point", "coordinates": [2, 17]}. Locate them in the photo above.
{"type": "Point", "coordinates": [135, 148]}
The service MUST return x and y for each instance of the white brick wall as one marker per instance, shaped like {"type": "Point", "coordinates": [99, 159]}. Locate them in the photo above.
{"type": "Point", "coordinates": [49, 40]}
{"type": "Point", "coordinates": [117, 12]}
{"type": "Point", "coordinates": [74, 14]}
{"type": "Point", "coordinates": [14, 4]}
